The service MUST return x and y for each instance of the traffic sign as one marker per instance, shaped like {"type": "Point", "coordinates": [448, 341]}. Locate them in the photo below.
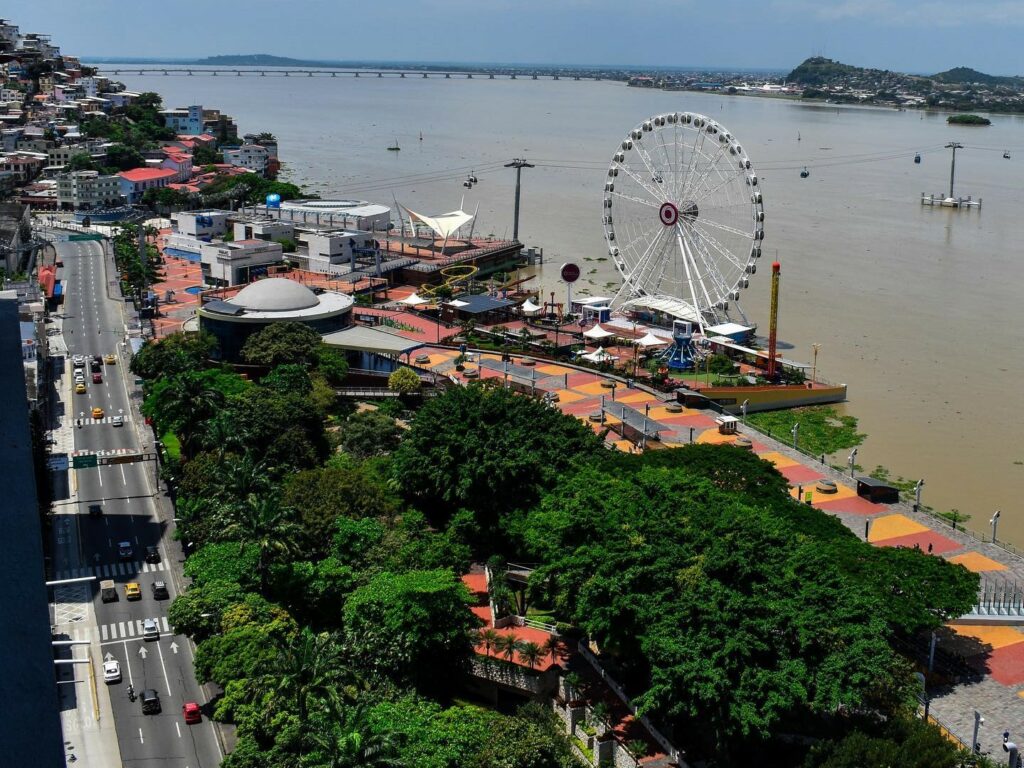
{"type": "Point", "coordinates": [85, 461]}
{"type": "Point", "coordinates": [570, 272]}
{"type": "Point", "coordinates": [58, 462]}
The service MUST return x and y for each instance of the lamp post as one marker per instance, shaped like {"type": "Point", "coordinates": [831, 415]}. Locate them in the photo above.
{"type": "Point", "coordinates": [852, 461]}
{"type": "Point", "coordinates": [978, 722]}
{"type": "Point", "coordinates": [743, 410]}
{"type": "Point", "coordinates": [994, 522]}
{"type": "Point", "coordinates": [814, 368]}
{"type": "Point", "coordinates": [691, 435]}
{"type": "Point", "coordinates": [917, 494]}
{"type": "Point", "coordinates": [795, 431]}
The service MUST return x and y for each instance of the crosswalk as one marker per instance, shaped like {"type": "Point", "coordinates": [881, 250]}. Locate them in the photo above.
{"type": "Point", "coordinates": [110, 570]}
{"type": "Point", "coordinates": [105, 420]}
{"type": "Point", "coordinates": [116, 630]}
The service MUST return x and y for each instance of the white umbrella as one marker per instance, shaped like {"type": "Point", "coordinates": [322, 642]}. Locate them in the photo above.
{"type": "Point", "coordinates": [528, 307]}
{"type": "Point", "coordinates": [597, 332]}
{"type": "Point", "coordinates": [650, 340]}
{"type": "Point", "coordinates": [413, 299]}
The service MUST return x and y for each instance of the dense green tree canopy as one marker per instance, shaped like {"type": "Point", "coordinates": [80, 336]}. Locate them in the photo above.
{"type": "Point", "coordinates": [369, 433]}
{"type": "Point", "coordinates": [174, 354]}
{"type": "Point", "coordinates": [282, 344]}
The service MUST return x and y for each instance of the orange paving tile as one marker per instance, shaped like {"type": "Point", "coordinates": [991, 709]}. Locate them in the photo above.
{"type": "Point", "coordinates": [778, 459]}
{"type": "Point", "coordinates": [554, 370]}
{"type": "Point", "coordinates": [977, 562]}
{"type": "Point", "coordinates": [842, 492]}
{"type": "Point", "coordinates": [995, 636]}
{"type": "Point", "coordinates": [714, 437]}
{"type": "Point", "coordinates": [893, 526]}
{"type": "Point", "coordinates": [569, 396]}
{"type": "Point", "coordinates": [594, 388]}
{"type": "Point", "coordinates": [636, 397]}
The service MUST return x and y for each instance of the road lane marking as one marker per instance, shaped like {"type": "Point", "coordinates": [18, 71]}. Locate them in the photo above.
{"type": "Point", "coordinates": [167, 627]}
{"type": "Point", "coordinates": [177, 727]}
{"type": "Point", "coordinates": [123, 478]}
{"type": "Point", "coordinates": [140, 736]}
{"type": "Point", "coordinates": [160, 653]}
{"type": "Point", "coordinates": [103, 632]}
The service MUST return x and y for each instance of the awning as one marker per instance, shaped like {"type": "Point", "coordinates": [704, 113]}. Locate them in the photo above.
{"type": "Point", "coordinates": [650, 340]}
{"type": "Point", "coordinates": [362, 339]}
{"type": "Point", "coordinates": [445, 224]}
{"type": "Point", "coordinates": [597, 332]}
{"type": "Point", "coordinates": [457, 303]}
{"type": "Point", "coordinates": [413, 299]}
{"type": "Point", "coordinates": [599, 356]}
{"type": "Point", "coordinates": [528, 307]}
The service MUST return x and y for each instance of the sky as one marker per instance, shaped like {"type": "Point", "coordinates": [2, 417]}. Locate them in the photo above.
{"type": "Point", "coordinates": [920, 36]}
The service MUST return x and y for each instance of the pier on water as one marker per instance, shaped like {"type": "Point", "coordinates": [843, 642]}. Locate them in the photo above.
{"type": "Point", "coordinates": [200, 71]}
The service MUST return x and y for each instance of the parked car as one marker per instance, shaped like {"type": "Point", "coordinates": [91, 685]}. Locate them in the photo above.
{"type": "Point", "coordinates": [191, 712]}
{"type": "Point", "coordinates": [150, 702]}
{"type": "Point", "coordinates": [150, 629]}
{"type": "Point", "coordinates": [111, 672]}
{"type": "Point", "coordinates": [160, 590]}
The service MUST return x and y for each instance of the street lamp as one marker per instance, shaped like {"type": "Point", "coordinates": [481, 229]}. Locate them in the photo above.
{"type": "Point", "coordinates": [795, 431]}
{"type": "Point", "coordinates": [978, 722]}
{"type": "Point", "coordinates": [994, 522]}
{"type": "Point", "coordinates": [814, 368]}
{"type": "Point", "coordinates": [743, 410]}
{"type": "Point", "coordinates": [917, 494]}
{"type": "Point", "coordinates": [852, 461]}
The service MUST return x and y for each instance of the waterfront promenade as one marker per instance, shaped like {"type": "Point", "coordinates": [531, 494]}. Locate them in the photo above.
{"type": "Point", "coordinates": [986, 659]}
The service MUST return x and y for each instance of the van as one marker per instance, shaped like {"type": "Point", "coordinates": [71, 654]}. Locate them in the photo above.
{"type": "Point", "coordinates": [108, 591]}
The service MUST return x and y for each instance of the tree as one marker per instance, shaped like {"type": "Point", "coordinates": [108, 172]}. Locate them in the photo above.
{"type": "Point", "coordinates": [487, 450]}
{"type": "Point", "coordinates": [369, 433]}
{"type": "Point", "coordinates": [223, 561]}
{"type": "Point", "coordinates": [552, 646]}
{"type": "Point", "coordinates": [174, 354]}
{"type": "Point", "coordinates": [124, 158]}
{"type": "Point", "coordinates": [284, 430]}
{"type": "Point", "coordinates": [266, 525]}
{"type": "Point", "coordinates": [290, 378]}
{"type": "Point", "coordinates": [506, 645]}
{"type": "Point", "coordinates": [404, 381]}
{"type": "Point", "coordinates": [197, 612]}
{"type": "Point", "coordinates": [282, 343]}
{"type": "Point", "coordinates": [311, 668]}
{"type": "Point", "coordinates": [347, 741]}
{"type": "Point", "coordinates": [486, 638]}
{"type": "Point", "coordinates": [184, 404]}
{"type": "Point", "coordinates": [411, 627]}
{"type": "Point", "coordinates": [80, 161]}
{"type": "Point", "coordinates": [530, 653]}
{"type": "Point", "coordinates": [331, 365]}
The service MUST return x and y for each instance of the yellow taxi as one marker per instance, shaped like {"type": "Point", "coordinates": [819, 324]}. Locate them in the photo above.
{"type": "Point", "coordinates": [110, 360]}
{"type": "Point", "coordinates": [80, 388]}
{"type": "Point", "coordinates": [97, 413]}
{"type": "Point", "coordinates": [132, 591]}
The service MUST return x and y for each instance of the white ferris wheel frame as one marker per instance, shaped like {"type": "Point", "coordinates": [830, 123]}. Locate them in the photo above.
{"type": "Point", "coordinates": [683, 217]}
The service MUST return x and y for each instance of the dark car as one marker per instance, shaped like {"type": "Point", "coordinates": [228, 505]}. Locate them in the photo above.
{"type": "Point", "coordinates": [150, 702]}
{"type": "Point", "coordinates": [152, 554]}
{"type": "Point", "coordinates": [95, 510]}
{"type": "Point", "coordinates": [160, 590]}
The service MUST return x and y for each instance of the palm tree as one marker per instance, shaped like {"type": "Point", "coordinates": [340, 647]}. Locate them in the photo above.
{"type": "Point", "coordinates": [488, 639]}
{"type": "Point", "coordinates": [531, 653]}
{"type": "Point", "coordinates": [244, 476]}
{"type": "Point", "coordinates": [220, 435]}
{"type": "Point", "coordinates": [310, 668]}
{"type": "Point", "coordinates": [185, 406]}
{"type": "Point", "coordinates": [264, 523]}
{"type": "Point", "coordinates": [348, 742]}
{"type": "Point", "coordinates": [551, 648]}
{"type": "Point", "coordinates": [506, 645]}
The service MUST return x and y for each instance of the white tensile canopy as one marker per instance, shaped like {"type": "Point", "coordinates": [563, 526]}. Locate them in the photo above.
{"type": "Point", "coordinates": [457, 303]}
{"type": "Point", "coordinates": [444, 225]}
{"type": "Point", "coordinates": [597, 332]}
{"type": "Point", "coordinates": [650, 340]}
{"type": "Point", "coordinates": [529, 308]}
{"type": "Point", "coordinates": [413, 299]}
{"type": "Point", "coordinates": [599, 355]}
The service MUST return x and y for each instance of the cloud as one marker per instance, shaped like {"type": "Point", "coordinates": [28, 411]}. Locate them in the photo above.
{"type": "Point", "coordinates": [921, 13]}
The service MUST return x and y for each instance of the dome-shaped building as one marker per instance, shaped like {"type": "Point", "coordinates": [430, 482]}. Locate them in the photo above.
{"type": "Point", "coordinates": [269, 301]}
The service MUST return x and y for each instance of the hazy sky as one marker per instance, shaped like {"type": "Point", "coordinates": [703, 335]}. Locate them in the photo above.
{"type": "Point", "coordinates": [907, 35]}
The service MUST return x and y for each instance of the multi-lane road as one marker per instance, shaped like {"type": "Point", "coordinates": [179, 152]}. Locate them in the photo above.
{"type": "Point", "coordinates": [85, 544]}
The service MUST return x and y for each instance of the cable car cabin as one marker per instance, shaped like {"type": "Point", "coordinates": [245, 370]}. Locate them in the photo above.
{"type": "Point", "coordinates": [877, 491]}
{"type": "Point", "coordinates": [727, 425]}
{"type": "Point", "coordinates": [804, 173]}
{"type": "Point", "coordinates": [917, 159]}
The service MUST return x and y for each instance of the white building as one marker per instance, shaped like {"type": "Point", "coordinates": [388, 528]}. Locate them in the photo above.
{"type": "Point", "coordinates": [201, 224]}
{"type": "Point", "coordinates": [238, 262]}
{"type": "Point", "coordinates": [335, 252]}
{"type": "Point", "coordinates": [184, 120]}
{"type": "Point", "coordinates": [252, 157]}
{"type": "Point", "coordinates": [266, 229]}
{"type": "Point", "coordinates": [88, 190]}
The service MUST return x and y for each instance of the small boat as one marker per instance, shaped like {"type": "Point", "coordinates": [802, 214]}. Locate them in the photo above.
{"type": "Point", "coordinates": [917, 159]}
{"type": "Point", "coordinates": [394, 147]}
{"type": "Point", "coordinates": [798, 135]}
{"type": "Point", "coordinates": [804, 173]}
{"type": "Point", "coordinates": [421, 135]}
{"type": "Point", "coordinates": [1006, 155]}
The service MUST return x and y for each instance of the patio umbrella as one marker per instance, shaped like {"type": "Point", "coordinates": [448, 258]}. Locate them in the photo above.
{"type": "Point", "coordinates": [597, 332]}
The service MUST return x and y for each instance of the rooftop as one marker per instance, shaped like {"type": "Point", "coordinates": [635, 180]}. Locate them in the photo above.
{"type": "Point", "coordinates": [147, 174]}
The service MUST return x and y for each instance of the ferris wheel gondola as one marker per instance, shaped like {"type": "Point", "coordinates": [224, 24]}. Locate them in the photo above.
{"type": "Point", "coordinates": [683, 217]}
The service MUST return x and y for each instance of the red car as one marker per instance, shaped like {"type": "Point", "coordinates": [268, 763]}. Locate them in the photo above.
{"type": "Point", "coordinates": [97, 378]}
{"type": "Point", "coordinates": [191, 712]}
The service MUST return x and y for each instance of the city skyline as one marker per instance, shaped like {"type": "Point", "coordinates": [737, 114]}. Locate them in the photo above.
{"type": "Point", "coordinates": [914, 36]}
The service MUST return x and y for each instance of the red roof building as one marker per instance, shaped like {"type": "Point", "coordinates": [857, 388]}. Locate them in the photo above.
{"type": "Point", "coordinates": [136, 182]}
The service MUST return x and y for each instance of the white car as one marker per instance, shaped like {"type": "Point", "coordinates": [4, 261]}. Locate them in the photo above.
{"type": "Point", "coordinates": [78, 361]}
{"type": "Point", "coordinates": [79, 378]}
{"type": "Point", "coordinates": [111, 672]}
{"type": "Point", "coordinates": [117, 421]}
{"type": "Point", "coordinates": [150, 629]}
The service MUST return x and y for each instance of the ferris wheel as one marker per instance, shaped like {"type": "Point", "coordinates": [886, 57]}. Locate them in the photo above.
{"type": "Point", "coordinates": [683, 217]}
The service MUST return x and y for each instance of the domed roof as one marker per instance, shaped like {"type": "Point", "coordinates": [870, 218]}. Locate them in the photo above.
{"type": "Point", "coordinates": [275, 294]}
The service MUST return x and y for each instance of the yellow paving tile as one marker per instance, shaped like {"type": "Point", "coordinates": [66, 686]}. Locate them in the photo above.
{"type": "Point", "coordinates": [554, 370]}
{"type": "Point", "coordinates": [842, 492]}
{"type": "Point", "coordinates": [714, 437]}
{"type": "Point", "coordinates": [440, 359]}
{"type": "Point", "coordinates": [778, 459]}
{"type": "Point", "coordinates": [625, 446]}
{"type": "Point", "coordinates": [635, 397]}
{"type": "Point", "coordinates": [891, 526]}
{"type": "Point", "coordinates": [661, 412]}
{"type": "Point", "coordinates": [569, 396]}
{"type": "Point", "coordinates": [997, 637]}
{"type": "Point", "coordinates": [594, 388]}
{"type": "Point", "coordinates": [977, 562]}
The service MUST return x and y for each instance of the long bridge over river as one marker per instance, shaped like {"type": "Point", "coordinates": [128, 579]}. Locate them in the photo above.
{"type": "Point", "coordinates": [180, 71]}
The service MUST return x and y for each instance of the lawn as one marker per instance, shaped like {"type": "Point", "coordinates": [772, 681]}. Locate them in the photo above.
{"type": "Point", "coordinates": [172, 445]}
{"type": "Point", "coordinates": [822, 429]}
